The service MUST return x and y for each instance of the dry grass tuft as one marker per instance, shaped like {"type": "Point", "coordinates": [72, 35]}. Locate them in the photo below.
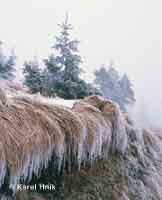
{"type": "Point", "coordinates": [32, 131]}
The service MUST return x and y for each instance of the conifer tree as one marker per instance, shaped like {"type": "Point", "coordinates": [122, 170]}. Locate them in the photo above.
{"type": "Point", "coordinates": [63, 66]}
{"type": "Point", "coordinates": [127, 91]}
{"type": "Point", "coordinates": [7, 64]}
{"type": "Point", "coordinates": [114, 87]}
{"type": "Point", "coordinates": [33, 76]}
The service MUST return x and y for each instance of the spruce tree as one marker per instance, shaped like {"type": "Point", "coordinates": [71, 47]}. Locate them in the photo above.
{"type": "Point", "coordinates": [68, 58]}
{"type": "Point", "coordinates": [33, 76]}
{"type": "Point", "coordinates": [115, 88]}
{"type": "Point", "coordinates": [7, 64]}
{"type": "Point", "coordinates": [63, 66]}
{"type": "Point", "coordinates": [107, 81]}
{"type": "Point", "coordinates": [127, 91]}
{"type": "Point", "coordinates": [53, 76]}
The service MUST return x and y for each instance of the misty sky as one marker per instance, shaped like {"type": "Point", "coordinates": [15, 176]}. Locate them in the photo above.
{"type": "Point", "coordinates": [126, 31]}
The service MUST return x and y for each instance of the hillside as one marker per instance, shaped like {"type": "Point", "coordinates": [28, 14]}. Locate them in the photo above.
{"type": "Point", "coordinates": [91, 151]}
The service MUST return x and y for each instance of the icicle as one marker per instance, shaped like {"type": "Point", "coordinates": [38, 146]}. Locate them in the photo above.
{"type": "Point", "coordinates": [2, 171]}
{"type": "Point", "coordinates": [2, 164]}
{"type": "Point", "coordinates": [119, 132]}
{"type": "Point", "coordinates": [91, 140]}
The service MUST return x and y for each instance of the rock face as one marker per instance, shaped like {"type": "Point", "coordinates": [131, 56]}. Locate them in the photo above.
{"type": "Point", "coordinates": [129, 169]}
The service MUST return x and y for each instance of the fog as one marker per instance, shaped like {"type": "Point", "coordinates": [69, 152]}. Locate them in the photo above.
{"type": "Point", "coordinates": [127, 32]}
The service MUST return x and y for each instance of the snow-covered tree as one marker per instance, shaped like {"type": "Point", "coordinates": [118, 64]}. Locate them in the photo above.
{"type": "Point", "coordinates": [115, 88]}
{"type": "Point", "coordinates": [53, 75]}
{"type": "Point", "coordinates": [63, 66]}
{"type": "Point", "coordinates": [67, 49]}
{"type": "Point", "coordinates": [33, 76]}
{"type": "Point", "coordinates": [127, 91]}
{"type": "Point", "coordinates": [7, 64]}
{"type": "Point", "coordinates": [107, 81]}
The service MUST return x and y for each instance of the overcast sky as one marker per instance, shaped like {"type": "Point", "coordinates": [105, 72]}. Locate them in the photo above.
{"type": "Point", "coordinates": [126, 31]}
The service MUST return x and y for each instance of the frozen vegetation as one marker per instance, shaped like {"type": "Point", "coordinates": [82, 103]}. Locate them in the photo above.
{"type": "Point", "coordinates": [89, 151]}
